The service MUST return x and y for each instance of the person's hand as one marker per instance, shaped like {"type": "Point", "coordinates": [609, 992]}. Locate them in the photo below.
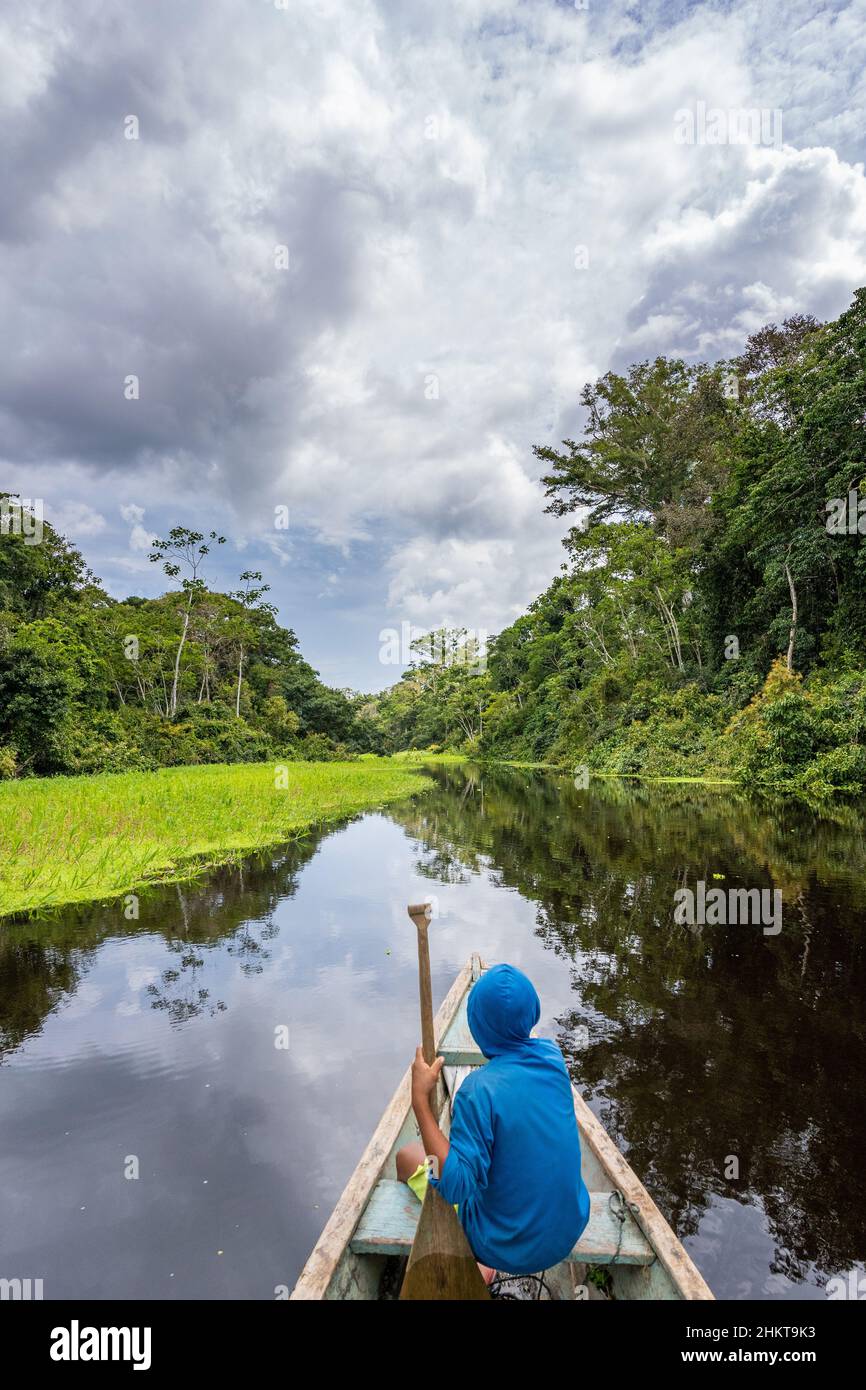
{"type": "Point", "coordinates": [424, 1078]}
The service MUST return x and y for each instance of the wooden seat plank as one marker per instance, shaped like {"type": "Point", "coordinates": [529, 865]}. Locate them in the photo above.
{"type": "Point", "coordinates": [391, 1217]}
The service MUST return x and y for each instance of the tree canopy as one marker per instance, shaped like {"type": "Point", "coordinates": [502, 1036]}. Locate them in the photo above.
{"type": "Point", "coordinates": [708, 619]}
{"type": "Point", "coordinates": [90, 684]}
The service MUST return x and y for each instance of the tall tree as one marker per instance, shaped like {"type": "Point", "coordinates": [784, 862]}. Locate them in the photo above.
{"type": "Point", "coordinates": [183, 550]}
{"type": "Point", "coordinates": [653, 441]}
{"type": "Point", "coordinates": [250, 600]}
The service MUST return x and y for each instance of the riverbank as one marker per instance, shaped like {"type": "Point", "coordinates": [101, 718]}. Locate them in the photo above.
{"type": "Point", "coordinates": [83, 839]}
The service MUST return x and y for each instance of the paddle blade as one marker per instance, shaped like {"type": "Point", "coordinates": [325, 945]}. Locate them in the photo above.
{"type": "Point", "coordinates": [441, 1264]}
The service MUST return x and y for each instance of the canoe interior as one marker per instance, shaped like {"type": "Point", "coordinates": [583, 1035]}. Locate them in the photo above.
{"type": "Point", "coordinates": [361, 1251]}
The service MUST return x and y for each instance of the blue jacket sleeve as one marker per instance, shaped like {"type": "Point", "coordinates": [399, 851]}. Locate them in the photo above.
{"type": "Point", "coordinates": [470, 1147]}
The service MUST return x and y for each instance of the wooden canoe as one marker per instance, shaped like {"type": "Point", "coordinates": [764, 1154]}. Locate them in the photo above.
{"type": "Point", "coordinates": [375, 1219]}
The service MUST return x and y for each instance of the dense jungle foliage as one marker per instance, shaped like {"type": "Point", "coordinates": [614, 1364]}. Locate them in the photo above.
{"type": "Point", "coordinates": [709, 620]}
{"type": "Point", "coordinates": [88, 684]}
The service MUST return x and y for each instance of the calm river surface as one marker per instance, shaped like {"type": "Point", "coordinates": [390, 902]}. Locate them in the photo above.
{"type": "Point", "coordinates": [155, 1040]}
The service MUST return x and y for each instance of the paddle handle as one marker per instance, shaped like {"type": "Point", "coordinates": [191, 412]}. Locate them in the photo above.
{"type": "Point", "coordinates": [420, 914]}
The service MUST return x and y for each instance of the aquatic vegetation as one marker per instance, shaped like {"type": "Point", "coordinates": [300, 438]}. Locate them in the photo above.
{"type": "Point", "coordinates": [79, 839]}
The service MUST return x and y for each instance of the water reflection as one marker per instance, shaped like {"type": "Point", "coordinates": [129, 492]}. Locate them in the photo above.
{"type": "Point", "coordinates": [155, 1037]}
{"type": "Point", "coordinates": [712, 1050]}
{"type": "Point", "coordinates": [43, 962]}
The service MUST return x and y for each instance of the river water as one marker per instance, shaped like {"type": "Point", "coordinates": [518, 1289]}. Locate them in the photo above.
{"type": "Point", "coordinates": [158, 1139]}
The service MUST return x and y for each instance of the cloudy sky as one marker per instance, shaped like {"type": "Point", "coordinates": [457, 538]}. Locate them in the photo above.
{"type": "Point", "coordinates": [364, 253]}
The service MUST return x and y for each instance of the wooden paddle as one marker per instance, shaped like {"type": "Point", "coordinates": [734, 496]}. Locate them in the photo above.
{"type": "Point", "coordinates": [421, 914]}
{"type": "Point", "coordinates": [441, 1264]}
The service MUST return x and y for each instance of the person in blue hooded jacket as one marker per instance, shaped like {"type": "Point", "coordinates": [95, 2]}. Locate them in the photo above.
{"type": "Point", "coordinates": [512, 1165]}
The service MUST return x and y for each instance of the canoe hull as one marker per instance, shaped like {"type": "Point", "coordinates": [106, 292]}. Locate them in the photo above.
{"type": "Point", "coordinates": [641, 1253]}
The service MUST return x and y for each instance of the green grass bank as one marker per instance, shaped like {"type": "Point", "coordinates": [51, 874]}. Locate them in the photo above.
{"type": "Point", "coordinates": [81, 839]}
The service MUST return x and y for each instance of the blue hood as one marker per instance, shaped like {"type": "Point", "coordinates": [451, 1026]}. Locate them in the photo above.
{"type": "Point", "coordinates": [513, 1162]}
{"type": "Point", "coordinates": [503, 1009]}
